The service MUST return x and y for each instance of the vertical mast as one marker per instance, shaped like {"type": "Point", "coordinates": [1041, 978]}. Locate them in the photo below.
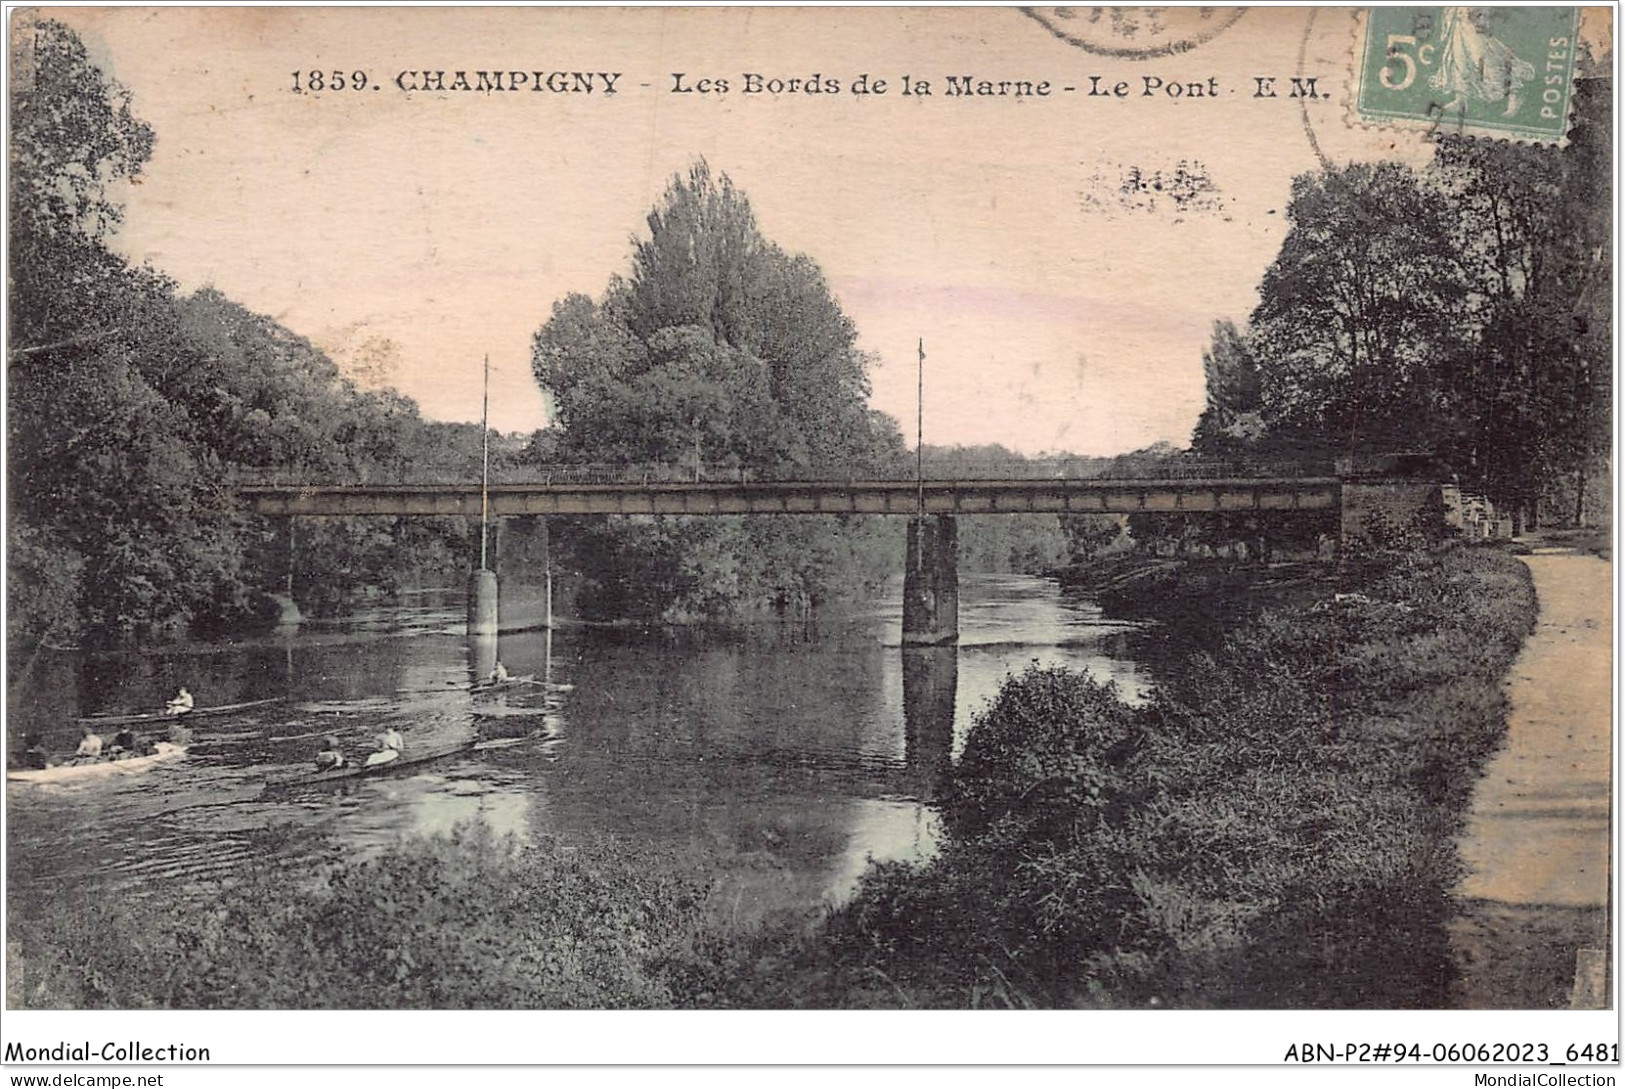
{"type": "Point", "coordinates": [485, 461]}
{"type": "Point", "coordinates": [919, 433]}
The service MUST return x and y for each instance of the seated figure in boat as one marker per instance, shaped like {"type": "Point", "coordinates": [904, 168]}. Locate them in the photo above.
{"type": "Point", "coordinates": [389, 747]}
{"type": "Point", "coordinates": [180, 704]}
{"type": "Point", "coordinates": [331, 758]}
{"type": "Point", "coordinates": [499, 675]}
{"type": "Point", "coordinates": [33, 756]}
{"type": "Point", "coordinates": [125, 744]}
{"type": "Point", "coordinates": [90, 746]}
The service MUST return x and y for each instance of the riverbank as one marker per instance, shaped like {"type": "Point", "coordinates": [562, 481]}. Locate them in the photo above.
{"type": "Point", "coordinates": [1195, 600]}
{"type": "Point", "coordinates": [1273, 829]}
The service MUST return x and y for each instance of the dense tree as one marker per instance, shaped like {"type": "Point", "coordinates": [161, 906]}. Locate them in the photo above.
{"type": "Point", "coordinates": [1005, 543]}
{"type": "Point", "coordinates": [718, 342]}
{"type": "Point", "coordinates": [130, 408]}
{"type": "Point", "coordinates": [1461, 309]}
{"type": "Point", "coordinates": [1363, 301]}
{"type": "Point", "coordinates": [1232, 418]}
{"type": "Point", "coordinates": [93, 452]}
{"type": "Point", "coordinates": [73, 138]}
{"type": "Point", "coordinates": [1535, 224]}
{"type": "Point", "coordinates": [717, 350]}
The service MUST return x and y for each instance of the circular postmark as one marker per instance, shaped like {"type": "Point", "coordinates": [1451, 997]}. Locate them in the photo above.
{"type": "Point", "coordinates": [1303, 103]}
{"type": "Point", "coordinates": [1135, 33]}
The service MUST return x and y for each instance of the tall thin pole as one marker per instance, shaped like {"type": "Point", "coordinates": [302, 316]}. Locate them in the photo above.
{"type": "Point", "coordinates": [919, 433]}
{"type": "Point", "coordinates": [485, 461]}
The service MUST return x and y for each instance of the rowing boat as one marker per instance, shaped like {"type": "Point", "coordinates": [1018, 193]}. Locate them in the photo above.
{"type": "Point", "coordinates": [502, 711]}
{"type": "Point", "coordinates": [356, 771]}
{"type": "Point", "coordinates": [101, 768]}
{"type": "Point", "coordinates": [165, 716]}
{"type": "Point", "coordinates": [506, 682]}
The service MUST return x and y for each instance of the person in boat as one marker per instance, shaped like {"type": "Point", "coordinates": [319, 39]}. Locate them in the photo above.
{"type": "Point", "coordinates": [90, 746]}
{"type": "Point", "coordinates": [34, 755]}
{"type": "Point", "coordinates": [499, 675]}
{"type": "Point", "coordinates": [331, 758]}
{"type": "Point", "coordinates": [180, 704]}
{"type": "Point", "coordinates": [125, 744]}
{"type": "Point", "coordinates": [390, 745]}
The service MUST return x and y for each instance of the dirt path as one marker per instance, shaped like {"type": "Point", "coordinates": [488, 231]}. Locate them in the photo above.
{"type": "Point", "coordinates": [1537, 844]}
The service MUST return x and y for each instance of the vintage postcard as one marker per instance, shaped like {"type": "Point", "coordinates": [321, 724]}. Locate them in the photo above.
{"type": "Point", "coordinates": [551, 510]}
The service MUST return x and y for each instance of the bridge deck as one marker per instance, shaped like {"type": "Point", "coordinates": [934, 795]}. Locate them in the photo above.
{"type": "Point", "coordinates": [1072, 496]}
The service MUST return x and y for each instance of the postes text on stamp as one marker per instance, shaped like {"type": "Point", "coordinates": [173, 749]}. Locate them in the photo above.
{"type": "Point", "coordinates": [1492, 71]}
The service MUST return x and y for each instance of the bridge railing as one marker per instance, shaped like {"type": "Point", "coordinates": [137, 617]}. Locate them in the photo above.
{"type": "Point", "coordinates": [664, 473]}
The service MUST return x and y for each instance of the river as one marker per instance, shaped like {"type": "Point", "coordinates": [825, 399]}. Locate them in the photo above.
{"type": "Point", "coordinates": [785, 755]}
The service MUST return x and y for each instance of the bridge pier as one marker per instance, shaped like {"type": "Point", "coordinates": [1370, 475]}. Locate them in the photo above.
{"type": "Point", "coordinates": [514, 589]}
{"type": "Point", "coordinates": [482, 602]}
{"type": "Point", "coordinates": [931, 582]}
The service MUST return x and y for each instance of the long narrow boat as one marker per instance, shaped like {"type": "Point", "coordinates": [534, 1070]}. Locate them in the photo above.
{"type": "Point", "coordinates": [508, 682]}
{"type": "Point", "coordinates": [355, 771]}
{"type": "Point", "coordinates": [165, 716]}
{"type": "Point", "coordinates": [65, 773]}
{"type": "Point", "coordinates": [501, 711]}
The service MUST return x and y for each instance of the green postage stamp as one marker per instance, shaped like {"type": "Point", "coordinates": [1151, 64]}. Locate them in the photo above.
{"type": "Point", "coordinates": [1487, 70]}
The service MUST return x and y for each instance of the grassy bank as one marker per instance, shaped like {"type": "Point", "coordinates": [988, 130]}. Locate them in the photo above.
{"type": "Point", "coordinates": [460, 922]}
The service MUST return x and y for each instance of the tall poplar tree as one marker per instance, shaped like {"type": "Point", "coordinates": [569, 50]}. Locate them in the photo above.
{"type": "Point", "coordinates": [717, 351]}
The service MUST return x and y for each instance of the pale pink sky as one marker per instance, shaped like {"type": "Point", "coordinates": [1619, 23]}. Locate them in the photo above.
{"type": "Point", "coordinates": [445, 226]}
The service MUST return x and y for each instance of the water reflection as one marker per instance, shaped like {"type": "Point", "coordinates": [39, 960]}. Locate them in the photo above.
{"type": "Point", "coordinates": [930, 688]}
{"type": "Point", "coordinates": [482, 658]}
{"type": "Point", "coordinates": [783, 756]}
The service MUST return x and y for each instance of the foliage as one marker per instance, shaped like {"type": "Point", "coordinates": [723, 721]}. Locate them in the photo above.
{"type": "Point", "coordinates": [73, 140]}
{"type": "Point", "coordinates": [1460, 309]}
{"type": "Point", "coordinates": [130, 406]}
{"type": "Point", "coordinates": [1233, 416]}
{"type": "Point", "coordinates": [1264, 832]}
{"type": "Point", "coordinates": [680, 569]}
{"type": "Point", "coordinates": [1008, 543]}
{"type": "Point", "coordinates": [1358, 307]}
{"type": "Point", "coordinates": [43, 580]}
{"type": "Point", "coordinates": [718, 349]}
{"type": "Point", "coordinates": [462, 922]}
{"type": "Point", "coordinates": [1536, 226]}
{"type": "Point", "coordinates": [1027, 544]}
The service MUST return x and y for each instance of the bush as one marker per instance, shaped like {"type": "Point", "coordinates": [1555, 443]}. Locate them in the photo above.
{"type": "Point", "coordinates": [1032, 878]}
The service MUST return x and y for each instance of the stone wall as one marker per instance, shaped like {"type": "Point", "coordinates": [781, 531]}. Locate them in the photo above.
{"type": "Point", "coordinates": [1374, 508]}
